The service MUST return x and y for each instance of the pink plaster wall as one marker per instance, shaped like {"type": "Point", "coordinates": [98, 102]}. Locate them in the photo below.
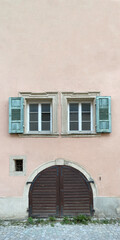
{"type": "Point", "coordinates": [60, 45]}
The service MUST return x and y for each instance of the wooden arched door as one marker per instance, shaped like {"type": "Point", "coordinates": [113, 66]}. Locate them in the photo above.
{"type": "Point", "coordinates": [60, 191]}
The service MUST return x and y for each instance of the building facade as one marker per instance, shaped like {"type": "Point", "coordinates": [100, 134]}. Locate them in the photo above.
{"type": "Point", "coordinates": [59, 108]}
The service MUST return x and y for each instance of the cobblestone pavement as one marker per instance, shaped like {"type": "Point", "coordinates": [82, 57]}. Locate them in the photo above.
{"type": "Point", "coordinates": [61, 232]}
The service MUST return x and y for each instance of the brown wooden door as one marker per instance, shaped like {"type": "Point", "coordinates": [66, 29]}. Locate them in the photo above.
{"type": "Point", "coordinates": [60, 191]}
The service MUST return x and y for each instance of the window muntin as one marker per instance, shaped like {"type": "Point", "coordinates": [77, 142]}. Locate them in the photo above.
{"type": "Point", "coordinates": [80, 117]}
{"type": "Point", "coordinates": [40, 117]}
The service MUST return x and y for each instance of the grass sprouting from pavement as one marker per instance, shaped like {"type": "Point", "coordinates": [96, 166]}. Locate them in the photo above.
{"type": "Point", "coordinates": [80, 219]}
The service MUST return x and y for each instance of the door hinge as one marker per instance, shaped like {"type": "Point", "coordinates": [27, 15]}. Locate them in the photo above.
{"type": "Point", "coordinates": [57, 210]}
{"type": "Point", "coordinates": [61, 210]}
{"type": "Point", "coordinates": [92, 211]}
{"type": "Point", "coordinates": [90, 181]}
{"type": "Point", "coordinates": [29, 182]}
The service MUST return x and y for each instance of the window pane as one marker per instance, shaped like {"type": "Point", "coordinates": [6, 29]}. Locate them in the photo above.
{"type": "Point", "coordinates": [85, 107]}
{"type": "Point", "coordinates": [103, 114]}
{"type": "Point", "coordinates": [85, 116]}
{"type": "Point", "coordinates": [73, 116]}
{"type": "Point", "coordinates": [73, 126]}
{"type": "Point", "coordinates": [45, 126]}
{"type": "Point", "coordinates": [33, 107]}
{"type": "Point", "coordinates": [33, 116]}
{"type": "Point", "coordinates": [73, 107]}
{"type": "Point", "coordinates": [33, 126]}
{"type": "Point", "coordinates": [86, 126]}
{"type": "Point", "coordinates": [45, 107]}
{"type": "Point", "coordinates": [45, 116]}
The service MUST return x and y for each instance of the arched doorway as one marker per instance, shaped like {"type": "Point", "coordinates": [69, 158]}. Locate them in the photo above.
{"type": "Point", "coordinates": [60, 191]}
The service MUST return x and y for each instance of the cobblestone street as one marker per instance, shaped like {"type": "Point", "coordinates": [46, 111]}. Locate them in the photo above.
{"type": "Point", "coordinates": [61, 232]}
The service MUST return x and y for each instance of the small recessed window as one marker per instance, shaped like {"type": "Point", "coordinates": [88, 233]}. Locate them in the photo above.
{"type": "Point", "coordinates": [19, 165]}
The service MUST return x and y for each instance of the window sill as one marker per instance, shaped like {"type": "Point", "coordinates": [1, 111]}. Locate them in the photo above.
{"type": "Point", "coordinates": [38, 135]}
{"type": "Point", "coordinates": [81, 135]}
{"type": "Point", "coordinates": [17, 173]}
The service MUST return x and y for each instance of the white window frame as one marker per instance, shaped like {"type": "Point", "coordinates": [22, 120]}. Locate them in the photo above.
{"type": "Point", "coordinates": [71, 97]}
{"type": "Point", "coordinates": [39, 118]}
{"type": "Point", "coordinates": [80, 117]}
{"type": "Point", "coordinates": [45, 97]}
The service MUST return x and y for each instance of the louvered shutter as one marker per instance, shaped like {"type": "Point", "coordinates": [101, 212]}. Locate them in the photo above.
{"type": "Point", "coordinates": [16, 115]}
{"type": "Point", "coordinates": [103, 114]}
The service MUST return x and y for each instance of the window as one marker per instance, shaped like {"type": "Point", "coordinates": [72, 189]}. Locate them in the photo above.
{"type": "Point", "coordinates": [40, 113]}
{"type": "Point", "coordinates": [17, 165]}
{"type": "Point", "coordinates": [39, 117]}
{"type": "Point", "coordinates": [34, 114]}
{"type": "Point", "coordinates": [79, 113]}
{"type": "Point", "coordinates": [80, 117]}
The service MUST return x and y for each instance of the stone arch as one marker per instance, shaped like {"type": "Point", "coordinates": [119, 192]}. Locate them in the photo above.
{"type": "Point", "coordinates": [58, 161]}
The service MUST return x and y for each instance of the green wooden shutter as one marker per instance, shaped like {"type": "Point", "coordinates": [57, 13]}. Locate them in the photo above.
{"type": "Point", "coordinates": [103, 114]}
{"type": "Point", "coordinates": [16, 114]}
